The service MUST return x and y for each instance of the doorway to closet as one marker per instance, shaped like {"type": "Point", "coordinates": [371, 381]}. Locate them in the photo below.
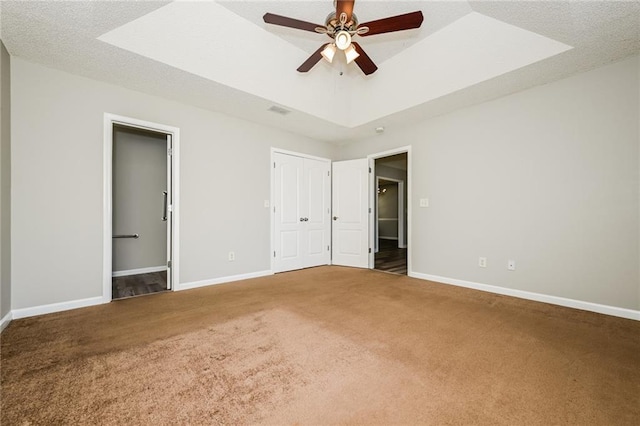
{"type": "Point", "coordinates": [140, 208]}
{"type": "Point", "coordinates": [140, 216]}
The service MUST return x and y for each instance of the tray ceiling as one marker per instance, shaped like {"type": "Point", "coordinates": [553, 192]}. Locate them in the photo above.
{"type": "Point", "coordinates": [219, 55]}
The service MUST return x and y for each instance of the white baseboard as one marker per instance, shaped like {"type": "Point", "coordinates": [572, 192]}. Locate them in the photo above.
{"type": "Point", "coordinates": [56, 307]}
{"type": "Point", "coordinates": [554, 300]}
{"type": "Point", "coordinates": [214, 281]}
{"type": "Point", "coordinates": [4, 322]}
{"type": "Point", "coordinates": [139, 271]}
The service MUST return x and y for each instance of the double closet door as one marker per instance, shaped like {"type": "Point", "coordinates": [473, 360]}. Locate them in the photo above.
{"type": "Point", "coordinates": [302, 212]}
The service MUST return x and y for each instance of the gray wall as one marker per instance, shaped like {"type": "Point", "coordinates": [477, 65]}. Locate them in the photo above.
{"type": "Point", "coordinates": [392, 172]}
{"type": "Point", "coordinates": [5, 182]}
{"type": "Point", "coordinates": [139, 178]}
{"type": "Point", "coordinates": [547, 177]}
{"type": "Point", "coordinates": [57, 173]}
{"type": "Point", "coordinates": [388, 209]}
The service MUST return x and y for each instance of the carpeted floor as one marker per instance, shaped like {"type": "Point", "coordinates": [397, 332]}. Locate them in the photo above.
{"type": "Point", "coordinates": [326, 345]}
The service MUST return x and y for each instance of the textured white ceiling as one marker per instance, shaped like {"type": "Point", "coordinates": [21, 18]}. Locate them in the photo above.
{"type": "Point", "coordinates": [65, 35]}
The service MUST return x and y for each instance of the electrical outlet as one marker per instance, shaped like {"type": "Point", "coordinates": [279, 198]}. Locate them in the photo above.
{"type": "Point", "coordinates": [511, 265]}
{"type": "Point", "coordinates": [482, 262]}
{"type": "Point", "coordinates": [424, 202]}
{"type": "Point", "coordinates": [232, 256]}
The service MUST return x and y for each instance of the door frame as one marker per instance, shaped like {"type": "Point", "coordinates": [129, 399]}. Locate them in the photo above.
{"type": "Point", "coordinates": [400, 225]}
{"type": "Point", "coordinates": [272, 200]}
{"type": "Point", "coordinates": [107, 202]}
{"type": "Point", "coordinates": [373, 196]}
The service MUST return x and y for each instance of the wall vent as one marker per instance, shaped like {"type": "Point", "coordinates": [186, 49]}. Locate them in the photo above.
{"type": "Point", "coordinates": [279, 110]}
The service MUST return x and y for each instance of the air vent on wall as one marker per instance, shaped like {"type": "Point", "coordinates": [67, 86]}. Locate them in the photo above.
{"type": "Point", "coordinates": [279, 110]}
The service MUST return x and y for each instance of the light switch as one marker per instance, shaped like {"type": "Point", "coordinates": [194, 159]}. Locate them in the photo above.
{"type": "Point", "coordinates": [424, 202]}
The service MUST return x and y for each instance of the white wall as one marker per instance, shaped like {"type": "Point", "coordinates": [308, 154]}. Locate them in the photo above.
{"type": "Point", "coordinates": [5, 182]}
{"type": "Point", "coordinates": [139, 179]}
{"type": "Point", "coordinates": [57, 121]}
{"type": "Point", "coordinates": [547, 177]}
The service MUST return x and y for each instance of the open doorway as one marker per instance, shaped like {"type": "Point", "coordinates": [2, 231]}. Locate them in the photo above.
{"type": "Point", "coordinates": [140, 216]}
{"type": "Point", "coordinates": [140, 222]}
{"type": "Point", "coordinates": [391, 214]}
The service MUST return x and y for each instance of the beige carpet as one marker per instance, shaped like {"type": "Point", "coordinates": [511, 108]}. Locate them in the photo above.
{"type": "Point", "coordinates": [322, 346]}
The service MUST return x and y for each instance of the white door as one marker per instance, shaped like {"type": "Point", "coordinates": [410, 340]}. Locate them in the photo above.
{"type": "Point", "coordinates": [302, 214]}
{"type": "Point", "coordinates": [316, 213]}
{"type": "Point", "coordinates": [351, 213]}
{"type": "Point", "coordinates": [287, 213]}
{"type": "Point", "coordinates": [168, 212]}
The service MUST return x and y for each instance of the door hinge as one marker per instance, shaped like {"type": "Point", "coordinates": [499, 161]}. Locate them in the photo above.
{"type": "Point", "coordinates": [369, 249]}
{"type": "Point", "coordinates": [274, 164]}
{"type": "Point", "coordinates": [168, 264]}
{"type": "Point", "coordinates": [169, 151]}
{"type": "Point", "coordinates": [369, 169]}
{"type": "Point", "coordinates": [327, 248]}
{"type": "Point", "coordinates": [274, 253]}
{"type": "Point", "coordinates": [328, 173]}
{"type": "Point", "coordinates": [369, 209]}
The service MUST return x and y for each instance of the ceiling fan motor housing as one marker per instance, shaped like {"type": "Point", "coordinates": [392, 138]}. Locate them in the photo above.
{"type": "Point", "coordinates": [334, 25]}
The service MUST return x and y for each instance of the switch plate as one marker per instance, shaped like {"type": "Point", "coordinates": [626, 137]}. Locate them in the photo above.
{"type": "Point", "coordinates": [232, 256]}
{"type": "Point", "coordinates": [482, 262]}
{"type": "Point", "coordinates": [424, 202]}
{"type": "Point", "coordinates": [511, 265]}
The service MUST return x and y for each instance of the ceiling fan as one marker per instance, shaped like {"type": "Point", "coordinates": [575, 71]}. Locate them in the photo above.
{"type": "Point", "coordinates": [341, 26]}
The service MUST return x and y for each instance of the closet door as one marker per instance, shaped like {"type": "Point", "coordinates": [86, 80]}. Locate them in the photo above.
{"type": "Point", "coordinates": [288, 216]}
{"type": "Point", "coordinates": [302, 212]}
{"type": "Point", "coordinates": [317, 213]}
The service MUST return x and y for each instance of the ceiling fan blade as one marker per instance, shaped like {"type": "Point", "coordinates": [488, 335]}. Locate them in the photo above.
{"type": "Point", "coordinates": [344, 6]}
{"type": "Point", "coordinates": [283, 21]}
{"type": "Point", "coordinates": [393, 23]}
{"type": "Point", "coordinates": [364, 61]}
{"type": "Point", "coordinates": [313, 59]}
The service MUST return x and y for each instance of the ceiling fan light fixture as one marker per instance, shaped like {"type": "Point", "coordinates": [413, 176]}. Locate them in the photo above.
{"type": "Point", "coordinates": [329, 52]}
{"type": "Point", "coordinates": [343, 40]}
{"type": "Point", "coordinates": [351, 53]}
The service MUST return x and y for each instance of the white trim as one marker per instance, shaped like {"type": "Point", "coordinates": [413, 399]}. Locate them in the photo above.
{"type": "Point", "coordinates": [56, 307]}
{"type": "Point", "coordinates": [139, 271]}
{"type": "Point", "coordinates": [554, 300]}
{"type": "Point", "coordinates": [4, 322]}
{"type": "Point", "coordinates": [109, 121]}
{"type": "Point", "coordinates": [222, 280]}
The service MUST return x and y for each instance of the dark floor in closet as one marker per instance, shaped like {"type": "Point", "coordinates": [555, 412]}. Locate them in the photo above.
{"type": "Point", "coordinates": [390, 258]}
{"type": "Point", "coordinates": [137, 285]}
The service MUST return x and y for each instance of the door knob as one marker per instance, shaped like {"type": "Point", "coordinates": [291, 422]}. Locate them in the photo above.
{"type": "Point", "coordinates": [302, 219]}
{"type": "Point", "coordinates": [306, 219]}
{"type": "Point", "coordinates": [335, 218]}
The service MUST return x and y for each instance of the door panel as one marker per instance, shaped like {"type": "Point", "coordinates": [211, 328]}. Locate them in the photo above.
{"type": "Point", "coordinates": [350, 213]}
{"type": "Point", "coordinates": [287, 185]}
{"type": "Point", "coordinates": [168, 213]}
{"type": "Point", "coordinates": [139, 179]}
{"type": "Point", "coordinates": [302, 213]}
{"type": "Point", "coordinates": [317, 215]}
